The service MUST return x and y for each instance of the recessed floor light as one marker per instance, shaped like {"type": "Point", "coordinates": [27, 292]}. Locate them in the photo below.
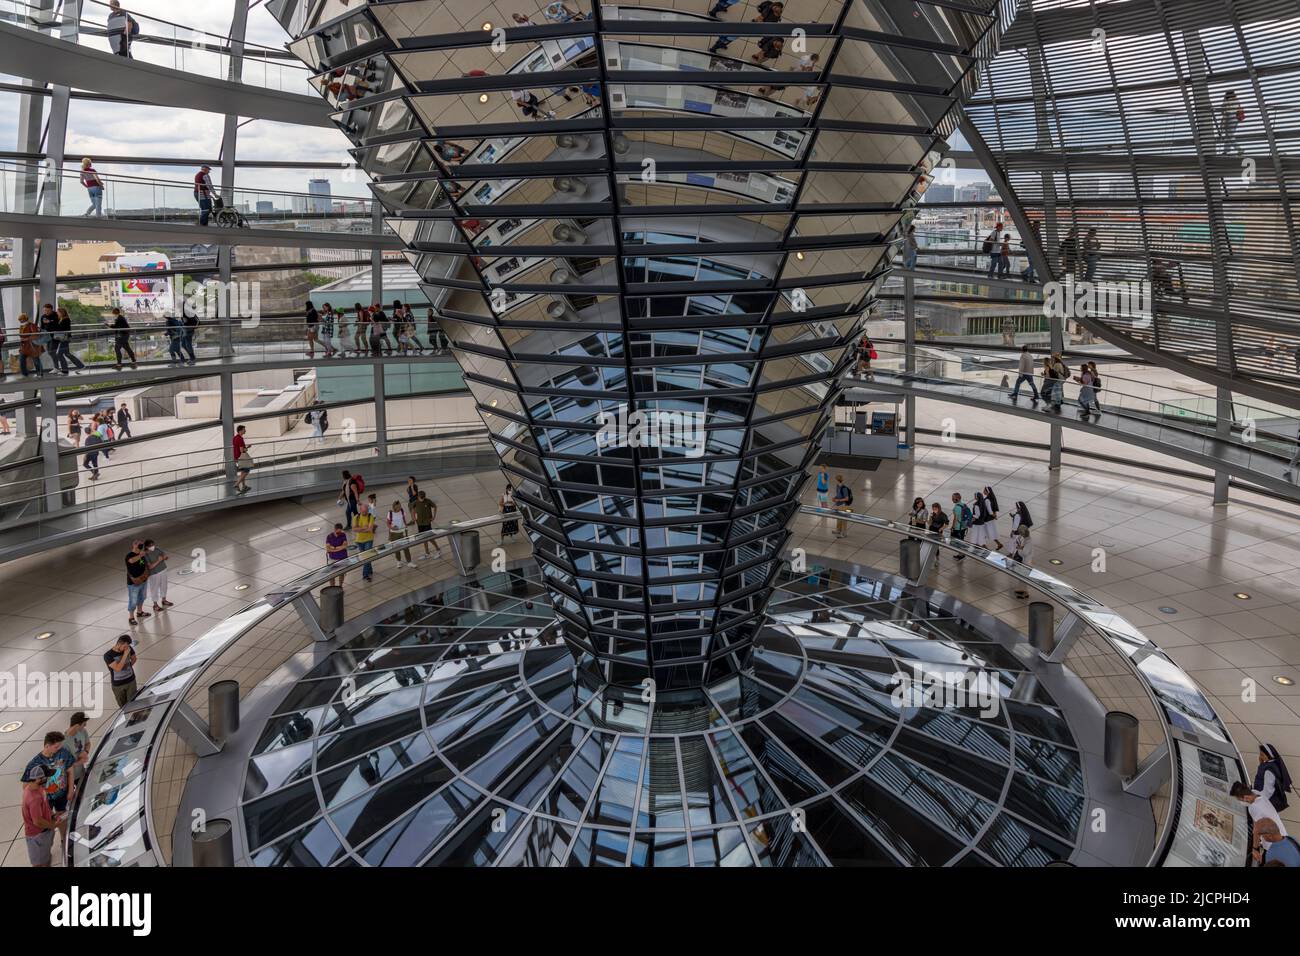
{"type": "Point", "coordinates": [10, 727]}
{"type": "Point", "coordinates": [184, 572]}
{"type": "Point", "coordinates": [317, 528]}
{"type": "Point", "coordinates": [1169, 610]}
{"type": "Point", "coordinates": [44, 635]}
{"type": "Point", "coordinates": [1284, 681]}
{"type": "Point", "coordinates": [1242, 596]}
{"type": "Point", "coordinates": [1055, 561]}
{"type": "Point", "coordinates": [241, 587]}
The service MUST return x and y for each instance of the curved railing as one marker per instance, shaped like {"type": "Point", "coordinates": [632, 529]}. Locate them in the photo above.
{"type": "Point", "coordinates": [1181, 734]}
{"type": "Point", "coordinates": [1262, 438]}
{"type": "Point", "coordinates": [164, 43]}
{"type": "Point", "coordinates": [36, 189]}
{"type": "Point", "coordinates": [112, 822]}
{"type": "Point", "coordinates": [1172, 712]}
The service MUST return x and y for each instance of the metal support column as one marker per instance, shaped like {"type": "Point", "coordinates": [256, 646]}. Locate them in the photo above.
{"type": "Point", "coordinates": [47, 433]}
{"type": "Point", "coordinates": [909, 353]}
{"type": "Point", "coordinates": [1222, 430]}
{"type": "Point", "coordinates": [376, 255]}
{"type": "Point", "coordinates": [228, 422]}
{"type": "Point", "coordinates": [381, 416]}
{"type": "Point", "coordinates": [229, 138]}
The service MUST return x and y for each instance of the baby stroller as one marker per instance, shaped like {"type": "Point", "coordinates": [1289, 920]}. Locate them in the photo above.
{"type": "Point", "coordinates": [226, 217]}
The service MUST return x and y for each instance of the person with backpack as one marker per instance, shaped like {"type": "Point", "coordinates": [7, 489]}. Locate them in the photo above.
{"type": "Point", "coordinates": [843, 500]}
{"type": "Point", "coordinates": [30, 348]}
{"type": "Point", "coordinates": [1272, 779]}
{"type": "Point", "coordinates": [122, 29]}
{"type": "Point", "coordinates": [993, 249]}
{"type": "Point", "coordinates": [349, 495]}
{"type": "Point", "coordinates": [961, 520]}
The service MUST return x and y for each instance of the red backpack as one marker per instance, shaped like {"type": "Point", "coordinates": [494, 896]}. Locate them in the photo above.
{"type": "Point", "coordinates": [361, 483]}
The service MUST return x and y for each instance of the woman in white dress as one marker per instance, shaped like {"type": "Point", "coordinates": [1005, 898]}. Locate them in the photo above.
{"type": "Point", "coordinates": [981, 519]}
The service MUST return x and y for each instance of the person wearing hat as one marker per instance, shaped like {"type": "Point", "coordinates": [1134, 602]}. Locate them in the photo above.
{"type": "Point", "coordinates": [39, 823]}
{"type": "Point", "coordinates": [203, 192]}
{"type": "Point", "coordinates": [55, 762]}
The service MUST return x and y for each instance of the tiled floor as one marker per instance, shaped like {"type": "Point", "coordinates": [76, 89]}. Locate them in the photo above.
{"type": "Point", "coordinates": [1165, 545]}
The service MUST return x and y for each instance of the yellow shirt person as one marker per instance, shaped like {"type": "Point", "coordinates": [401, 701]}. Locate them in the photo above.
{"type": "Point", "coordinates": [363, 527]}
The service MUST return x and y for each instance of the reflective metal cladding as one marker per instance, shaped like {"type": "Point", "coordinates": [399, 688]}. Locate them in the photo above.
{"type": "Point", "coordinates": [651, 233]}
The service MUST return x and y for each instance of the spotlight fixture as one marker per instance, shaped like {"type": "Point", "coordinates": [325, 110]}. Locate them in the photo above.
{"type": "Point", "coordinates": [10, 727]}
{"type": "Point", "coordinates": [1056, 561]}
{"type": "Point", "coordinates": [487, 26]}
{"type": "Point", "coordinates": [799, 256]}
{"type": "Point", "coordinates": [1242, 596]}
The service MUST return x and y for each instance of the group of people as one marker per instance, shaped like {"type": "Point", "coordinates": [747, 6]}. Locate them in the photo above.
{"type": "Point", "coordinates": [146, 580]}
{"type": "Point", "coordinates": [372, 331]}
{"type": "Point", "coordinates": [102, 428]}
{"type": "Point", "coordinates": [50, 782]}
{"type": "Point", "coordinates": [1265, 799]}
{"type": "Point", "coordinates": [1055, 373]}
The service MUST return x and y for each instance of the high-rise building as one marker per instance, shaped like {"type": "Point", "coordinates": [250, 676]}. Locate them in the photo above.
{"type": "Point", "coordinates": [318, 191]}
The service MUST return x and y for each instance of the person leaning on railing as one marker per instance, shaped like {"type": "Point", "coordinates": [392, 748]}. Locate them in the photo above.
{"type": "Point", "coordinates": [29, 347]}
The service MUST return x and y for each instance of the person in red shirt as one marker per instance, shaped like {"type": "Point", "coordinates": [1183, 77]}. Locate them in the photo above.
{"type": "Point", "coordinates": [39, 823]}
{"type": "Point", "coordinates": [243, 460]}
{"type": "Point", "coordinates": [203, 193]}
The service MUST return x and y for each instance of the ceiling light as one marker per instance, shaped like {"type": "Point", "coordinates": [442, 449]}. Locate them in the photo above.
{"type": "Point", "coordinates": [10, 727]}
{"type": "Point", "coordinates": [1284, 681]}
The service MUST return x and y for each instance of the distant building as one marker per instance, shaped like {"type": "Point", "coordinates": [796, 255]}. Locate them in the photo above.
{"type": "Point", "coordinates": [265, 207]}
{"type": "Point", "coordinates": [318, 192]}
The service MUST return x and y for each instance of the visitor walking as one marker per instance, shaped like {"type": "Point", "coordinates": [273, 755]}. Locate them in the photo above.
{"type": "Point", "coordinates": [327, 323]}
{"type": "Point", "coordinates": [336, 551]}
{"type": "Point", "coordinates": [74, 428]}
{"type": "Point", "coordinates": [961, 520]}
{"type": "Point", "coordinates": [121, 339]}
{"type": "Point", "coordinates": [313, 326]}
{"type": "Point", "coordinates": [842, 501]}
{"type": "Point", "coordinates": [242, 458]}
{"type": "Point", "coordinates": [980, 517]}
{"type": "Point", "coordinates": [30, 348]}
{"type": "Point", "coordinates": [349, 495]}
{"type": "Point", "coordinates": [91, 460]}
{"type": "Point", "coordinates": [156, 560]}
{"type": "Point", "coordinates": [363, 532]}
{"type": "Point", "coordinates": [124, 421]}
{"type": "Point", "coordinates": [1025, 374]}
{"type": "Point", "coordinates": [137, 582]}
{"type": "Point", "coordinates": [509, 527]}
{"type": "Point", "coordinates": [1029, 274]}
{"type": "Point", "coordinates": [396, 523]}
{"type": "Point", "coordinates": [1087, 397]}
{"type": "Point", "coordinates": [204, 192]}
{"type": "Point", "coordinates": [122, 29]}
{"type": "Point", "coordinates": [1021, 543]}
{"type": "Point", "coordinates": [120, 659]}
{"type": "Point", "coordinates": [991, 504]}
{"type": "Point", "coordinates": [62, 346]}
{"type": "Point", "coordinates": [993, 249]}
{"type": "Point", "coordinates": [1070, 251]}
{"type": "Point", "coordinates": [1004, 260]}
{"type": "Point", "coordinates": [911, 248]}
{"type": "Point", "coordinates": [175, 332]}
{"type": "Point", "coordinates": [1231, 113]}
{"type": "Point", "coordinates": [187, 338]}
{"type": "Point", "coordinates": [1091, 254]}
{"type": "Point", "coordinates": [424, 511]}
{"type": "Point", "coordinates": [94, 188]}
{"type": "Point", "coordinates": [824, 486]}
